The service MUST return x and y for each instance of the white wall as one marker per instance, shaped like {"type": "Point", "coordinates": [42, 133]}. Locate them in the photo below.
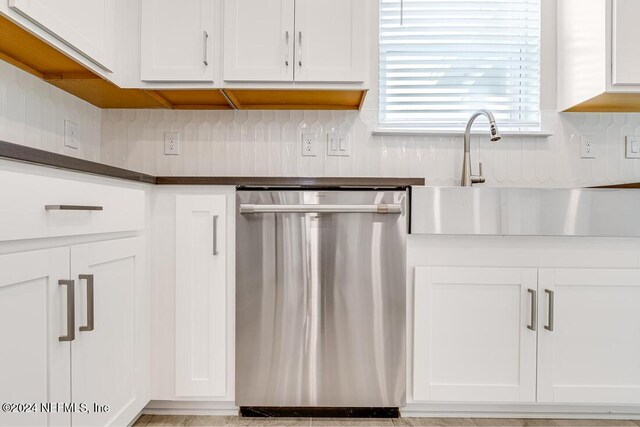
{"type": "Point", "coordinates": [33, 112]}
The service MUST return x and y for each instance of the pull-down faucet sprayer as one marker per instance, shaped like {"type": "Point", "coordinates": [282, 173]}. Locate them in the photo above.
{"type": "Point", "coordinates": [467, 179]}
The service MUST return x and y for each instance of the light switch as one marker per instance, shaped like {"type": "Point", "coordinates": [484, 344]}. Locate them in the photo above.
{"type": "Point", "coordinates": [338, 145]}
{"type": "Point", "coordinates": [632, 147]}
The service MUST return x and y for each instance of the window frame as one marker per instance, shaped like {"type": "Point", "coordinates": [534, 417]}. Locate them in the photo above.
{"type": "Point", "coordinates": [548, 85]}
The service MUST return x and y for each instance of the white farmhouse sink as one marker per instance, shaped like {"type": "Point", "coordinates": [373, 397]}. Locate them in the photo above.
{"type": "Point", "coordinates": [525, 211]}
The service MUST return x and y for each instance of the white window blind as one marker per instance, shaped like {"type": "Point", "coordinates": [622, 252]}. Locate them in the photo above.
{"type": "Point", "coordinates": [442, 60]}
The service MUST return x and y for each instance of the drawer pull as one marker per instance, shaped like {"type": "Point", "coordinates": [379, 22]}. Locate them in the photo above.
{"type": "Point", "coordinates": [72, 208]}
{"type": "Point", "coordinates": [90, 298]}
{"type": "Point", "coordinates": [71, 311]}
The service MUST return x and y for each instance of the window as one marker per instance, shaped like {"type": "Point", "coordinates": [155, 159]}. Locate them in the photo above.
{"type": "Point", "coordinates": [442, 60]}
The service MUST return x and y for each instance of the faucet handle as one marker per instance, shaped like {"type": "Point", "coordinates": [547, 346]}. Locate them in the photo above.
{"type": "Point", "coordinates": [478, 179]}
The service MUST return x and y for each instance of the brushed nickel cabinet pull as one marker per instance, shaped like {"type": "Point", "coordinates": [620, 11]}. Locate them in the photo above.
{"type": "Point", "coordinates": [299, 48]}
{"type": "Point", "coordinates": [549, 325]}
{"type": "Point", "coordinates": [71, 311]}
{"type": "Point", "coordinates": [72, 208]}
{"type": "Point", "coordinates": [534, 310]}
{"type": "Point", "coordinates": [205, 43]}
{"type": "Point", "coordinates": [286, 44]}
{"type": "Point", "coordinates": [215, 234]}
{"type": "Point", "coordinates": [90, 299]}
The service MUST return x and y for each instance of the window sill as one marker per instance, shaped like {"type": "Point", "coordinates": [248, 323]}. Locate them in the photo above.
{"type": "Point", "coordinates": [445, 133]}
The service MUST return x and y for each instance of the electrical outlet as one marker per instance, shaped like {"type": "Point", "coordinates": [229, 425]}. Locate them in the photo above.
{"type": "Point", "coordinates": [71, 134]}
{"type": "Point", "coordinates": [309, 144]}
{"type": "Point", "coordinates": [587, 147]}
{"type": "Point", "coordinates": [632, 147]}
{"type": "Point", "coordinates": [172, 143]}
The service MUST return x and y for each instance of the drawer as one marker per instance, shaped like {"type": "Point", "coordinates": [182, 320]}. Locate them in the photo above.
{"type": "Point", "coordinates": [23, 198]}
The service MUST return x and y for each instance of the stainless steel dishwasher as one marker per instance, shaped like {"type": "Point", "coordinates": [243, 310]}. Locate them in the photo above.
{"type": "Point", "coordinates": [320, 298]}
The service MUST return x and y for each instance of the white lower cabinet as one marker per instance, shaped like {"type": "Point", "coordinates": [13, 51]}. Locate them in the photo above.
{"type": "Point", "coordinates": [471, 340]}
{"type": "Point", "coordinates": [475, 334]}
{"type": "Point", "coordinates": [74, 324]}
{"type": "Point", "coordinates": [201, 296]}
{"type": "Point", "coordinates": [34, 363]}
{"type": "Point", "coordinates": [589, 349]}
{"type": "Point", "coordinates": [108, 359]}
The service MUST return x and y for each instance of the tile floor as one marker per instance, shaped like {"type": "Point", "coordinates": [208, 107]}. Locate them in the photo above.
{"type": "Point", "coordinates": [192, 420]}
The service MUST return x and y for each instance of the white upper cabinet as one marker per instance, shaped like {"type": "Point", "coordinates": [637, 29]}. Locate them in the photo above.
{"type": "Point", "coordinates": [330, 40]}
{"type": "Point", "coordinates": [88, 26]}
{"type": "Point", "coordinates": [474, 334]}
{"type": "Point", "coordinates": [323, 41]}
{"type": "Point", "coordinates": [258, 40]}
{"type": "Point", "coordinates": [589, 336]}
{"type": "Point", "coordinates": [598, 62]}
{"type": "Point", "coordinates": [626, 35]}
{"type": "Point", "coordinates": [178, 40]}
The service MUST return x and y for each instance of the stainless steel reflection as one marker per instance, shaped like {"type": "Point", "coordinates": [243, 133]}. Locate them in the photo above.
{"type": "Point", "coordinates": [525, 211]}
{"type": "Point", "coordinates": [320, 296]}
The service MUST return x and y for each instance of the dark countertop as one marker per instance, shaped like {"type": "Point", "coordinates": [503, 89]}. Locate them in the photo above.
{"type": "Point", "coordinates": [60, 161]}
{"type": "Point", "coordinates": [630, 185]}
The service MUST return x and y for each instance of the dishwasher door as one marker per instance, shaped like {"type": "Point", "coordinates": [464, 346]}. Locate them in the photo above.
{"type": "Point", "coordinates": [320, 298]}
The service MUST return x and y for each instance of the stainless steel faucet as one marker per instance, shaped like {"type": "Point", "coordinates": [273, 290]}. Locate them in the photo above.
{"type": "Point", "coordinates": [467, 179]}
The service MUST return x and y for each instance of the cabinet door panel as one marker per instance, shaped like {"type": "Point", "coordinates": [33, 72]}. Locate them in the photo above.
{"type": "Point", "coordinates": [593, 353]}
{"type": "Point", "coordinates": [471, 341]}
{"type": "Point", "coordinates": [34, 364]}
{"type": "Point", "coordinates": [626, 33]}
{"type": "Point", "coordinates": [86, 25]}
{"type": "Point", "coordinates": [109, 361]}
{"type": "Point", "coordinates": [330, 40]}
{"type": "Point", "coordinates": [201, 326]}
{"type": "Point", "coordinates": [177, 40]}
{"type": "Point", "coordinates": [258, 40]}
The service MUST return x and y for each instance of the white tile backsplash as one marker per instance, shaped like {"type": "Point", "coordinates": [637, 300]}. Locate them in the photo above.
{"type": "Point", "coordinates": [267, 143]}
{"type": "Point", "coordinates": [33, 112]}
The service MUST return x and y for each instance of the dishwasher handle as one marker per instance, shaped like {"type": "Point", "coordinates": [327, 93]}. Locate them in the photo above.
{"type": "Point", "coordinates": [377, 209]}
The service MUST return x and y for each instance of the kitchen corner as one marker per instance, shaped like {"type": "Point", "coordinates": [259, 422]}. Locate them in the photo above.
{"type": "Point", "coordinates": [319, 213]}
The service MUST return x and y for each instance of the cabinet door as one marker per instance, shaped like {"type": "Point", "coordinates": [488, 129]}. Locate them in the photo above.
{"type": "Point", "coordinates": [258, 40]}
{"type": "Point", "coordinates": [177, 40]}
{"type": "Point", "coordinates": [626, 33]}
{"type": "Point", "coordinates": [330, 40]}
{"type": "Point", "coordinates": [201, 277]}
{"type": "Point", "coordinates": [109, 356]}
{"type": "Point", "coordinates": [86, 25]}
{"type": "Point", "coordinates": [589, 349]}
{"type": "Point", "coordinates": [34, 363]}
{"type": "Point", "coordinates": [471, 337]}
